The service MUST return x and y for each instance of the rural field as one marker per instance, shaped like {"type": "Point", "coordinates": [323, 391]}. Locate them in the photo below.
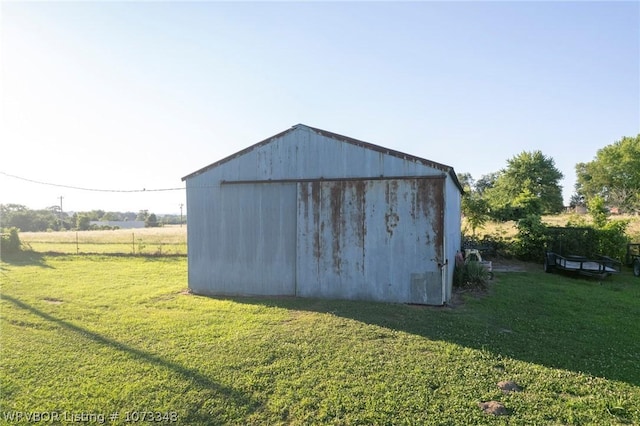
{"type": "Point", "coordinates": [508, 229]}
{"type": "Point", "coordinates": [165, 240]}
{"type": "Point", "coordinates": [172, 240]}
{"type": "Point", "coordinates": [121, 339]}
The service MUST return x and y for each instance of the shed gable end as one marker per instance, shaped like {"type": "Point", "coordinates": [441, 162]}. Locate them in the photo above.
{"type": "Point", "coordinates": [306, 152]}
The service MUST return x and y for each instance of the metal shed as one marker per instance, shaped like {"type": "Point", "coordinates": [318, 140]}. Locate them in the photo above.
{"type": "Point", "coordinates": [311, 213]}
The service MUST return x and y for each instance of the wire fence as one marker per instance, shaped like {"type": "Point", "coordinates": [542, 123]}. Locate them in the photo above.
{"type": "Point", "coordinates": [164, 241]}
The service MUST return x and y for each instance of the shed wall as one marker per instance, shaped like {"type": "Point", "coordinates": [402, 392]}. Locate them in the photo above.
{"type": "Point", "coordinates": [244, 242]}
{"type": "Point", "coordinates": [453, 232]}
{"type": "Point", "coordinates": [371, 239]}
{"type": "Point", "coordinates": [302, 154]}
{"type": "Point", "coordinates": [246, 239]}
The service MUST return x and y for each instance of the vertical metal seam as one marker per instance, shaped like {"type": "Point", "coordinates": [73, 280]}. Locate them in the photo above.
{"type": "Point", "coordinates": [445, 268]}
{"type": "Point", "coordinates": [295, 258]}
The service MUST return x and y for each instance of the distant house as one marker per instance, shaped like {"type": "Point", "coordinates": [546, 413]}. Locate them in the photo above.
{"type": "Point", "coordinates": [122, 224]}
{"type": "Point", "coordinates": [577, 209]}
{"type": "Point", "coordinates": [311, 213]}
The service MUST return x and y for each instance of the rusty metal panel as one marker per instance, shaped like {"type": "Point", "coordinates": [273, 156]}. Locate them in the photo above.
{"type": "Point", "coordinates": [370, 239]}
{"type": "Point", "coordinates": [278, 238]}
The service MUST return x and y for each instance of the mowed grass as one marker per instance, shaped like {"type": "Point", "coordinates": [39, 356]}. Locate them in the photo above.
{"type": "Point", "coordinates": [103, 334]}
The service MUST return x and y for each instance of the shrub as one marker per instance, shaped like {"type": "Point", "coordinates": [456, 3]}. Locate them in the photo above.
{"type": "Point", "coordinates": [576, 221]}
{"type": "Point", "coordinates": [531, 238]}
{"type": "Point", "coordinates": [573, 240]}
{"type": "Point", "coordinates": [612, 239]}
{"type": "Point", "coordinates": [534, 238]}
{"type": "Point", "coordinates": [598, 211]}
{"type": "Point", "coordinates": [10, 242]}
{"type": "Point", "coordinates": [470, 275]}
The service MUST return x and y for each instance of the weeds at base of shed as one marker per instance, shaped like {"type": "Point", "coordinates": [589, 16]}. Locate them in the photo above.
{"type": "Point", "coordinates": [471, 275]}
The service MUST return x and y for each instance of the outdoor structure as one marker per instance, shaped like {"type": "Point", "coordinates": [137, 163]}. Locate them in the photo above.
{"type": "Point", "coordinates": [311, 213]}
{"type": "Point", "coordinates": [122, 224]}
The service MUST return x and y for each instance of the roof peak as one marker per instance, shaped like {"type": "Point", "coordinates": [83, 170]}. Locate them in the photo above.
{"type": "Point", "coordinates": [342, 138]}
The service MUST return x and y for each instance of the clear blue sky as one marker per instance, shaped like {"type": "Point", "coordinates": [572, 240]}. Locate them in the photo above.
{"type": "Point", "coordinates": [136, 95]}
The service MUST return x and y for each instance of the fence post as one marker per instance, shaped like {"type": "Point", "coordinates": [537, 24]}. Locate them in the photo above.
{"type": "Point", "coordinates": [77, 245]}
{"type": "Point", "coordinates": [133, 242]}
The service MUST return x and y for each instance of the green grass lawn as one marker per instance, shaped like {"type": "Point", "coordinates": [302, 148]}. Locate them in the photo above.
{"type": "Point", "coordinates": [104, 335]}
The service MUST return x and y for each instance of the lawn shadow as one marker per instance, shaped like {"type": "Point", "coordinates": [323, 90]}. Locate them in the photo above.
{"type": "Point", "coordinates": [195, 416]}
{"type": "Point", "coordinates": [25, 258]}
{"type": "Point", "coordinates": [522, 331]}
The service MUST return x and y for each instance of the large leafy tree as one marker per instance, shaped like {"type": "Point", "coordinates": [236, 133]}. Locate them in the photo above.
{"type": "Point", "coordinates": [475, 210]}
{"type": "Point", "coordinates": [485, 182]}
{"type": "Point", "coordinates": [530, 184]}
{"type": "Point", "coordinates": [613, 175]}
{"type": "Point", "coordinates": [26, 220]}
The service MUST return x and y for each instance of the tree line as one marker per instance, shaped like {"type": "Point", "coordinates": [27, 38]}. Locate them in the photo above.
{"type": "Point", "coordinates": [530, 185]}
{"type": "Point", "coordinates": [52, 219]}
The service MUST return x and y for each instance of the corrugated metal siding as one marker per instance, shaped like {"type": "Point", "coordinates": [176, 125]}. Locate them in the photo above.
{"type": "Point", "coordinates": [245, 239]}
{"type": "Point", "coordinates": [243, 242]}
{"type": "Point", "coordinates": [452, 226]}
{"type": "Point", "coordinates": [370, 239]}
{"type": "Point", "coordinates": [303, 153]}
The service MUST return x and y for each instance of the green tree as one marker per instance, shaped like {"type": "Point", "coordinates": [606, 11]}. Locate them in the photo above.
{"type": "Point", "coordinates": [10, 208]}
{"type": "Point", "coordinates": [529, 185]}
{"type": "Point", "coordinates": [110, 216]}
{"type": "Point", "coordinates": [610, 238]}
{"type": "Point", "coordinates": [466, 180]}
{"type": "Point", "coordinates": [83, 222]}
{"type": "Point", "coordinates": [151, 221]}
{"type": "Point", "coordinates": [531, 238]}
{"type": "Point", "coordinates": [95, 214]}
{"type": "Point", "coordinates": [485, 182]}
{"type": "Point", "coordinates": [613, 175]}
{"type": "Point", "coordinates": [475, 210]}
{"type": "Point", "coordinates": [598, 211]}
{"type": "Point", "coordinates": [26, 220]}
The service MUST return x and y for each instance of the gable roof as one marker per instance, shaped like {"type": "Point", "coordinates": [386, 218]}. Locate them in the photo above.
{"type": "Point", "coordinates": [342, 138]}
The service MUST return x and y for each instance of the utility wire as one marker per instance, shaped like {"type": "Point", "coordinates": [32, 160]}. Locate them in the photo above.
{"type": "Point", "coordinates": [89, 189]}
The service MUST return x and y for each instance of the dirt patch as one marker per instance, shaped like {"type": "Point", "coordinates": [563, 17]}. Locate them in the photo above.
{"type": "Point", "coordinates": [513, 265]}
{"type": "Point", "coordinates": [53, 301]}
{"type": "Point", "coordinates": [508, 386]}
{"type": "Point", "coordinates": [493, 407]}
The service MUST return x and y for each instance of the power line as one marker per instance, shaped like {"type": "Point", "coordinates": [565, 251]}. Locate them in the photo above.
{"type": "Point", "coordinates": [89, 189]}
